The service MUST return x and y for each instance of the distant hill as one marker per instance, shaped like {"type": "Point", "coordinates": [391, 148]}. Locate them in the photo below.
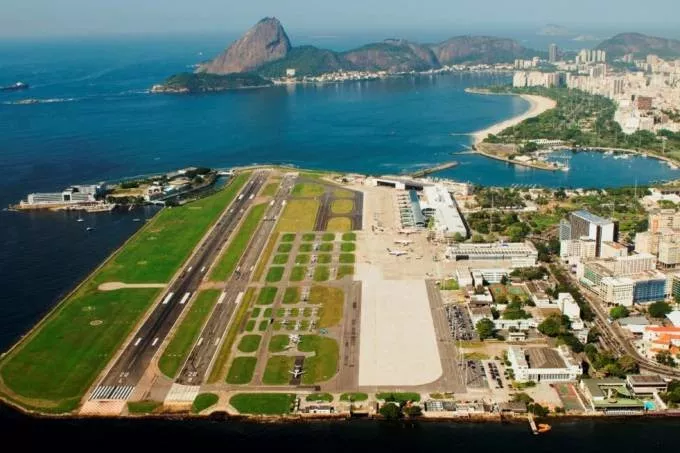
{"type": "Point", "coordinates": [554, 30]}
{"type": "Point", "coordinates": [206, 83]}
{"type": "Point", "coordinates": [481, 49]}
{"type": "Point", "coordinates": [265, 50]}
{"type": "Point", "coordinates": [640, 45]}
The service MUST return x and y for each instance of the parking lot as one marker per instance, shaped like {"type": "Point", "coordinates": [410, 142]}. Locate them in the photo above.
{"type": "Point", "coordinates": [495, 377]}
{"type": "Point", "coordinates": [474, 374]}
{"type": "Point", "coordinates": [460, 323]}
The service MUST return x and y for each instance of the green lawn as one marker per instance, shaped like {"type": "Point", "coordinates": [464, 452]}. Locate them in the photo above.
{"type": "Point", "coordinates": [267, 295]}
{"type": "Point", "coordinates": [263, 403]}
{"type": "Point", "coordinates": [204, 401]}
{"type": "Point", "coordinates": [277, 370]}
{"type": "Point", "coordinates": [321, 273]}
{"type": "Point", "coordinates": [52, 368]}
{"type": "Point", "coordinates": [328, 237]}
{"type": "Point", "coordinates": [349, 237]}
{"type": "Point", "coordinates": [324, 364]}
{"type": "Point", "coordinates": [344, 270]}
{"type": "Point", "coordinates": [298, 273]}
{"type": "Point", "coordinates": [319, 397]}
{"type": "Point", "coordinates": [339, 224]}
{"type": "Point", "coordinates": [327, 247]}
{"type": "Point", "coordinates": [255, 313]}
{"type": "Point", "coordinates": [275, 274]}
{"type": "Point", "coordinates": [285, 248]}
{"type": "Point", "coordinates": [292, 295]}
{"type": "Point", "coordinates": [219, 370]}
{"type": "Point", "coordinates": [263, 325]}
{"type": "Point", "coordinates": [353, 396]}
{"type": "Point", "coordinates": [305, 248]}
{"type": "Point", "coordinates": [143, 407]}
{"type": "Point", "coordinates": [232, 255]}
{"type": "Point", "coordinates": [308, 237]}
{"type": "Point", "coordinates": [250, 326]}
{"type": "Point", "coordinates": [347, 258]}
{"type": "Point", "coordinates": [187, 333]}
{"type": "Point", "coordinates": [342, 206]}
{"type": "Point", "coordinates": [288, 237]}
{"type": "Point", "coordinates": [324, 258]}
{"type": "Point", "coordinates": [267, 313]}
{"type": "Point", "coordinates": [302, 259]}
{"type": "Point", "coordinates": [307, 189]}
{"type": "Point", "coordinates": [241, 370]}
{"type": "Point", "coordinates": [270, 189]}
{"type": "Point", "coordinates": [331, 301]}
{"type": "Point", "coordinates": [399, 397]}
{"type": "Point", "coordinates": [278, 343]}
{"type": "Point", "coordinates": [449, 285]}
{"type": "Point", "coordinates": [280, 258]}
{"type": "Point", "coordinates": [249, 343]}
{"type": "Point", "coordinates": [348, 247]}
{"type": "Point", "coordinates": [298, 215]}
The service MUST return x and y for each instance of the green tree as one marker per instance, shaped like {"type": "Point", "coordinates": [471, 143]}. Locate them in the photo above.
{"type": "Point", "coordinates": [665, 358]}
{"type": "Point", "coordinates": [551, 326]}
{"type": "Point", "coordinates": [485, 328]}
{"type": "Point", "coordinates": [618, 312]}
{"type": "Point", "coordinates": [413, 411]}
{"type": "Point", "coordinates": [390, 411]}
{"type": "Point", "coordinates": [628, 365]}
{"type": "Point", "coordinates": [659, 309]}
{"type": "Point", "coordinates": [458, 237]}
{"type": "Point", "coordinates": [477, 238]}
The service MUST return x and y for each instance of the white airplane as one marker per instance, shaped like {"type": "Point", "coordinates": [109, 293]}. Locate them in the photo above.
{"type": "Point", "coordinates": [403, 242]}
{"type": "Point", "coordinates": [297, 372]}
{"type": "Point", "coordinates": [396, 252]}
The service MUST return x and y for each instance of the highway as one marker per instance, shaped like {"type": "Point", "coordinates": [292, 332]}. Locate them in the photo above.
{"type": "Point", "coordinates": [201, 357]}
{"type": "Point", "coordinates": [616, 340]}
{"type": "Point", "coordinates": [130, 366]}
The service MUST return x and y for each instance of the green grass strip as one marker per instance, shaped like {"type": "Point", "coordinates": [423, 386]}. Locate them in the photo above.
{"type": "Point", "coordinates": [204, 401]}
{"type": "Point", "coordinates": [263, 403]}
{"type": "Point", "coordinates": [187, 333]}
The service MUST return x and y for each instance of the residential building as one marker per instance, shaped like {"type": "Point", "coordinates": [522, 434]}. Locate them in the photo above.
{"type": "Point", "coordinates": [544, 364]}
{"type": "Point", "coordinates": [584, 224]}
{"type": "Point", "coordinates": [657, 339]}
{"type": "Point", "coordinates": [570, 309]}
{"type": "Point", "coordinates": [610, 249]}
{"type": "Point", "coordinates": [552, 53]}
{"type": "Point", "coordinates": [580, 249]}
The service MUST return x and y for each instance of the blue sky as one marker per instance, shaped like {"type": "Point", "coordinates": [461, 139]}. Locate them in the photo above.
{"type": "Point", "coordinates": [78, 17]}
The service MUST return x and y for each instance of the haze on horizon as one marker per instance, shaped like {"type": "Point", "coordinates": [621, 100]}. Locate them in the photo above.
{"type": "Point", "coordinates": [38, 18]}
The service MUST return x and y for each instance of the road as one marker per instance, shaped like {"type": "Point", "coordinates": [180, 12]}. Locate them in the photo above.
{"type": "Point", "coordinates": [616, 340]}
{"type": "Point", "coordinates": [201, 357]}
{"type": "Point", "coordinates": [121, 379]}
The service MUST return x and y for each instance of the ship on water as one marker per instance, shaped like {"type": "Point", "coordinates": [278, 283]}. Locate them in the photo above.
{"type": "Point", "coordinates": [16, 87]}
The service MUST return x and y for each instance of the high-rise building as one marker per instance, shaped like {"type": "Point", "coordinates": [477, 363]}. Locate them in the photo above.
{"type": "Point", "coordinates": [583, 223]}
{"type": "Point", "coordinates": [552, 53]}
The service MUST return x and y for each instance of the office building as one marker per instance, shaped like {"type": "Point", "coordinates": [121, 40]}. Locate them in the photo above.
{"type": "Point", "coordinates": [617, 291]}
{"type": "Point", "coordinates": [581, 249]}
{"type": "Point", "coordinates": [611, 249]}
{"type": "Point", "coordinates": [514, 254]}
{"type": "Point", "coordinates": [70, 195]}
{"type": "Point", "coordinates": [552, 53]}
{"type": "Point", "coordinates": [544, 364]}
{"type": "Point", "coordinates": [584, 224]}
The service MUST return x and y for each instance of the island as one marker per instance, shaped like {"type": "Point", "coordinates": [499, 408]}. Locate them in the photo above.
{"type": "Point", "coordinates": [208, 83]}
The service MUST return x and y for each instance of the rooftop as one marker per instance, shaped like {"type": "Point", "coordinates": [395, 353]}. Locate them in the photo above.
{"type": "Point", "coordinates": [639, 379]}
{"type": "Point", "coordinates": [592, 217]}
{"type": "Point", "coordinates": [633, 321]}
{"type": "Point", "coordinates": [544, 358]}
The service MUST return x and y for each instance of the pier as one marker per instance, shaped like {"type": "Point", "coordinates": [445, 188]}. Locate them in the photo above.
{"type": "Point", "coordinates": [435, 169]}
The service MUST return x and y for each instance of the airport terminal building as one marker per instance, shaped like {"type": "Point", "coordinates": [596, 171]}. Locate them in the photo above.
{"type": "Point", "coordinates": [512, 254]}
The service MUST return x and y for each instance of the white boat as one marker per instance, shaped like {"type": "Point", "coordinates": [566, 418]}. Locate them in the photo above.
{"type": "Point", "coordinates": [89, 229]}
{"type": "Point", "coordinates": [565, 168]}
{"type": "Point", "coordinates": [80, 219]}
{"type": "Point", "coordinates": [136, 220]}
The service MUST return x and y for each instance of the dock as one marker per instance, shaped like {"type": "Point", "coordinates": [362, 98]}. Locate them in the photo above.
{"type": "Point", "coordinates": [435, 169]}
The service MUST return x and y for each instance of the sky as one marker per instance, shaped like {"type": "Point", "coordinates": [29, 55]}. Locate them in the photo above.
{"type": "Point", "coordinates": [35, 18]}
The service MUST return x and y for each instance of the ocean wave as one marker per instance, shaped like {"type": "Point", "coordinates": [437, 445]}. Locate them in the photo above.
{"type": "Point", "coordinates": [31, 101]}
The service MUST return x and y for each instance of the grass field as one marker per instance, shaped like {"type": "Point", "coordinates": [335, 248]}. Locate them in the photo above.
{"type": "Point", "coordinates": [348, 247]}
{"type": "Point", "coordinates": [262, 326]}
{"type": "Point", "coordinates": [307, 189]}
{"type": "Point", "coordinates": [321, 273]}
{"type": "Point", "coordinates": [324, 258]}
{"type": "Point", "coordinates": [347, 258]}
{"type": "Point", "coordinates": [281, 258]}
{"type": "Point", "coordinates": [275, 274]}
{"type": "Point", "coordinates": [241, 370]}
{"type": "Point", "coordinates": [308, 237]}
{"type": "Point", "coordinates": [262, 403]}
{"type": "Point", "coordinates": [344, 270]}
{"type": "Point", "coordinates": [298, 273]}
{"type": "Point", "coordinates": [292, 295]}
{"type": "Point", "coordinates": [255, 313]}
{"type": "Point", "coordinates": [349, 237]}
{"type": "Point", "coordinates": [219, 368]}
{"type": "Point", "coordinates": [54, 366]}
{"type": "Point", "coordinates": [327, 247]}
{"type": "Point", "coordinates": [231, 256]}
{"type": "Point", "coordinates": [267, 295]}
{"type": "Point", "coordinates": [270, 189]}
{"type": "Point", "coordinates": [277, 370]}
{"type": "Point", "coordinates": [328, 237]}
{"type": "Point", "coordinates": [298, 215]}
{"type": "Point", "coordinates": [278, 343]}
{"type": "Point", "coordinates": [324, 364]}
{"type": "Point", "coordinates": [284, 248]}
{"type": "Point", "coordinates": [342, 206]}
{"type": "Point", "coordinates": [352, 397]}
{"type": "Point", "coordinates": [339, 224]}
{"type": "Point", "coordinates": [267, 313]}
{"type": "Point", "coordinates": [264, 257]}
{"type": "Point", "coordinates": [143, 407]}
{"type": "Point", "coordinates": [319, 397]}
{"type": "Point", "coordinates": [343, 193]}
{"type": "Point", "coordinates": [331, 301]}
{"type": "Point", "coordinates": [305, 248]}
{"type": "Point", "coordinates": [302, 259]}
{"type": "Point", "coordinates": [204, 401]}
{"type": "Point", "coordinates": [187, 333]}
{"type": "Point", "coordinates": [249, 343]}
{"type": "Point", "coordinates": [449, 285]}
{"type": "Point", "coordinates": [288, 237]}
{"type": "Point", "coordinates": [250, 326]}
{"type": "Point", "coordinates": [398, 397]}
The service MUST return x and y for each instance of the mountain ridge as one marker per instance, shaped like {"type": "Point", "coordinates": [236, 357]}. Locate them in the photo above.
{"type": "Point", "coordinates": [640, 45]}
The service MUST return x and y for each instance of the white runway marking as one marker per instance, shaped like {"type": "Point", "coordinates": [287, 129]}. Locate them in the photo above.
{"type": "Point", "coordinates": [185, 298]}
{"type": "Point", "coordinates": [138, 341]}
{"type": "Point", "coordinates": [221, 299]}
{"type": "Point", "coordinates": [155, 340]}
{"type": "Point", "coordinates": [167, 298]}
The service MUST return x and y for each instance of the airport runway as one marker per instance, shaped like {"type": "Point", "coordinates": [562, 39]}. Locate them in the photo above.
{"type": "Point", "coordinates": [201, 357]}
{"type": "Point", "coordinates": [121, 379]}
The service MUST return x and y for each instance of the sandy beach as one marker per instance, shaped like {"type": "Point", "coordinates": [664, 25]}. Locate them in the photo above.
{"type": "Point", "coordinates": [538, 105]}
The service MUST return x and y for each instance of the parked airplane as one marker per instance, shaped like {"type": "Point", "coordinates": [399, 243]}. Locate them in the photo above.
{"type": "Point", "coordinates": [403, 242]}
{"type": "Point", "coordinates": [297, 371]}
{"type": "Point", "coordinates": [396, 252]}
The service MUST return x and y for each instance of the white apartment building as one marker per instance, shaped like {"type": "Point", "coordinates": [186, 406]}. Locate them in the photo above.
{"type": "Point", "coordinates": [543, 364]}
{"type": "Point", "coordinates": [570, 309]}
{"type": "Point", "coordinates": [617, 290]}
{"type": "Point", "coordinates": [580, 249]}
